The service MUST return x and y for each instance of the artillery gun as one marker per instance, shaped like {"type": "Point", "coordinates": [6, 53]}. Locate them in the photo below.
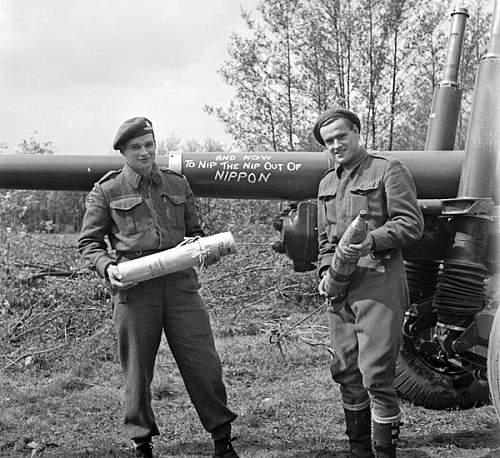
{"type": "Point", "coordinates": [451, 338]}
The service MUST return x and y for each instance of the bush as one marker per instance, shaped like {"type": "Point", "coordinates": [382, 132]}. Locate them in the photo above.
{"type": "Point", "coordinates": [56, 311]}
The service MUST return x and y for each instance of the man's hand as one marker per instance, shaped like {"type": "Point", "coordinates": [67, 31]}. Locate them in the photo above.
{"type": "Point", "coordinates": [356, 251]}
{"type": "Point", "coordinates": [115, 277]}
{"type": "Point", "coordinates": [321, 287]}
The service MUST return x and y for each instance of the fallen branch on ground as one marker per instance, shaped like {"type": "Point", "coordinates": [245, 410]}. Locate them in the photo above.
{"type": "Point", "coordinates": [53, 273]}
{"type": "Point", "coordinates": [277, 335]}
{"type": "Point", "coordinates": [39, 352]}
{"type": "Point", "coordinates": [254, 268]}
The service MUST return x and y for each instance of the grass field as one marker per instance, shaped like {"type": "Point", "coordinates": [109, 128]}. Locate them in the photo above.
{"type": "Point", "coordinates": [61, 386]}
{"type": "Point", "coordinates": [286, 409]}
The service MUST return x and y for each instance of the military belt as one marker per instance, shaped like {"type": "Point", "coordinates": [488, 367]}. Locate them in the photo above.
{"type": "Point", "coordinates": [137, 253]}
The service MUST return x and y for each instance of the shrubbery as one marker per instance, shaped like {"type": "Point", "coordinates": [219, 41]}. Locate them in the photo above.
{"type": "Point", "coordinates": [54, 309]}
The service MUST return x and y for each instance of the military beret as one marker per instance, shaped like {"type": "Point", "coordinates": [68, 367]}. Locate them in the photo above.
{"type": "Point", "coordinates": [132, 128]}
{"type": "Point", "coordinates": [329, 116]}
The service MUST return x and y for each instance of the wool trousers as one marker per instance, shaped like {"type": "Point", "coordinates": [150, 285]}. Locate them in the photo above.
{"type": "Point", "coordinates": [168, 305]}
{"type": "Point", "coordinates": [365, 331]}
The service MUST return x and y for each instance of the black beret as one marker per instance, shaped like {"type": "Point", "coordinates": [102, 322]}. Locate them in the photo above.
{"type": "Point", "coordinates": [331, 115]}
{"type": "Point", "coordinates": [132, 128]}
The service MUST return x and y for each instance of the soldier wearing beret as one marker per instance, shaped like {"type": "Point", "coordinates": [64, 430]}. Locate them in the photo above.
{"type": "Point", "coordinates": [142, 209]}
{"type": "Point", "coordinates": [366, 324]}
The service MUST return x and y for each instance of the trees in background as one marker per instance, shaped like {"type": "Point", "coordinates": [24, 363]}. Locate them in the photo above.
{"type": "Point", "coordinates": [43, 211]}
{"type": "Point", "coordinates": [380, 58]}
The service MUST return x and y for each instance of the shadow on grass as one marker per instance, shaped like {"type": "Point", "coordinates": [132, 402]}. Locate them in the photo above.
{"type": "Point", "coordinates": [413, 446]}
{"type": "Point", "coordinates": [410, 447]}
{"type": "Point", "coordinates": [488, 437]}
{"type": "Point", "coordinates": [289, 449]}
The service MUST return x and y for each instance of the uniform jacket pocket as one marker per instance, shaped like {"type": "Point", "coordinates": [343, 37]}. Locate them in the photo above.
{"type": "Point", "coordinates": [130, 213]}
{"type": "Point", "coordinates": [365, 188]}
{"type": "Point", "coordinates": [174, 208]}
{"type": "Point", "coordinates": [326, 199]}
{"type": "Point", "coordinates": [363, 196]}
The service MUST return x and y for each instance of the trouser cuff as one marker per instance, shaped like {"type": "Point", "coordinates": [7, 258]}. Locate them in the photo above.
{"type": "Point", "coordinates": [221, 432]}
{"type": "Point", "coordinates": [361, 406]}
{"type": "Point", "coordinates": [386, 420]}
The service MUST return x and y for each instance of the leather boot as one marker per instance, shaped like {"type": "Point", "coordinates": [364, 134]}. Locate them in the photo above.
{"type": "Point", "coordinates": [385, 439]}
{"type": "Point", "coordinates": [358, 429]}
{"type": "Point", "coordinates": [224, 448]}
{"type": "Point", "coordinates": [144, 449]}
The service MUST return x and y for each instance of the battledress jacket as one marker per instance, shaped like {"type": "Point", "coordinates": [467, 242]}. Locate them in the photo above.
{"type": "Point", "coordinates": [385, 189]}
{"type": "Point", "coordinates": [136, 215]}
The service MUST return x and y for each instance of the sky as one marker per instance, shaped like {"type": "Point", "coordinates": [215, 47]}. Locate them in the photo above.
{"type": "Point", "coordinates": [72, 71]}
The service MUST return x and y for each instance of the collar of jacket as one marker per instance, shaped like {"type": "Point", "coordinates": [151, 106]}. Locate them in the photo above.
{"type": "Point", "coordinates": [134, 178]}
{"type": "Point", "coordinates": [351, 170]}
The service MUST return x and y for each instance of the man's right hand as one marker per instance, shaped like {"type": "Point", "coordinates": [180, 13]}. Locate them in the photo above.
{"type": "Point", "coordinates": [115, 277]}
{"type": "Point", "coordinates": [353, 252]}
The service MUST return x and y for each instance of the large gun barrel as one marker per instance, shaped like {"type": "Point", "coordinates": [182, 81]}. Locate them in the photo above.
{"type": "Point", "coordinates": [55, 172]}
{"type": "Point", "coordinates": [282, 175]}
{"type": "Point", "coordinates": [455, 42]}
{"type": "Point", "coordinates": [443, 119]}
{"type": "Point", "coordinates": [481, 168]}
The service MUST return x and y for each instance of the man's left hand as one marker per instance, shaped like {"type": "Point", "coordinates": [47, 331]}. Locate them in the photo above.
{"type": "Point", "coordinates": [358, 250]}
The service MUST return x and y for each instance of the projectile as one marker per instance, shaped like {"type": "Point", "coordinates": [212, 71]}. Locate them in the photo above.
{"type": "Point", "coordinates": [201, 251]}
{"type": "Point", "coordinates": [339, 274]}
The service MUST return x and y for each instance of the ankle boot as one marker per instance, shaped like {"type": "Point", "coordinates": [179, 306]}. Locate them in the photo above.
{"type": "Point", "coordinates": [224, 448]}
{"type": "Point", "coordinates": [385, 439]}
{"type": "Point", "coordinates": [358, 429]}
